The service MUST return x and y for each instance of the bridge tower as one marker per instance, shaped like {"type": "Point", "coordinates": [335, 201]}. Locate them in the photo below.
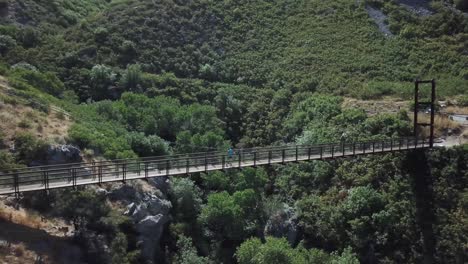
{"type": "Point", "coordinates": [417, 106]}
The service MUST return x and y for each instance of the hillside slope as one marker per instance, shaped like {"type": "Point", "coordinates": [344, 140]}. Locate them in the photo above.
{"type": "Point", "coordinates": [332, 47]}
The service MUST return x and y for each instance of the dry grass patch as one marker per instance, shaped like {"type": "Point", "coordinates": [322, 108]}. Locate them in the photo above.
{"type": "Point", "coordinates": [20, 217]}
{"type": "Point", "coordinates": [456, 110]}
{"type": "Point", "coordinates": [441, 125]}
{"type": "Point", "coordinates": [15, 118]}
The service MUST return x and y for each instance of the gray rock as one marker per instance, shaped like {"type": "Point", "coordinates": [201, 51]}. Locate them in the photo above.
{"type": "Point", "coordinates": [125, 193]}
{"type": "Point", "coordinates": [161, 183]}
{"type": "Point", "coordinates": [151, 229]}
{"type": "Point", "coordinates": [61, 154]}
{"type": "Point", "coordinates": [149, 212]}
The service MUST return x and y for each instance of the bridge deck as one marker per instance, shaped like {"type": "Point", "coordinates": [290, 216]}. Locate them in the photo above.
{"type": "Point", "coordinates": [71, 175]}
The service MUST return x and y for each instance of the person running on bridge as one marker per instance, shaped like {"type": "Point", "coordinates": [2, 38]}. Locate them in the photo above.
{"type": "Point", "coordinates": [230, 155]}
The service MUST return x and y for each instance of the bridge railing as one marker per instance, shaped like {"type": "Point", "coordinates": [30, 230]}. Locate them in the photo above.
{"type": "Point", "coordinates": [68, 175]}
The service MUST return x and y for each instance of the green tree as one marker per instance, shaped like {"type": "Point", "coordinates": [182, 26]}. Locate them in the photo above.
{"type": "Point", "coordinates": [131, 79]}
{"type": "Point", "coordinates": [223, 217]}
{"type": "Point", "coordinates": [186, 199]}
{"type": "Point", "coordinates": [147, 146]}
{"type": "Point", "coordinates": [82, 207]}
{"type": "Point", "coordinates": [7, 43]}
{"type": "Point", "coordinates": [187, 253]}
{"type": "Point", "coordinates": [102, 78]}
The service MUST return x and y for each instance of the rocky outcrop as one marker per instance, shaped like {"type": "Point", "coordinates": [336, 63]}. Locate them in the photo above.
{"type": "Point", "coordinates": [61, 154]}
{"type": "Point", "coordinates": [149, 210]}
{"type": "Point", "coordinates": [283, 223]}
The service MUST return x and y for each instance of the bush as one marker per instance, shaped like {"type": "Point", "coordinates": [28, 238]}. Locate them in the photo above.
{"type": "Point", "coordinates": [7, 161]}
{"type": "Point", "coordinates": [7, 43]}
{"type": "Point", "coordinates": [131, 79]}
{"type": "Point", "coordinates": [462, 100]}
{"type": "Point", "coordinates": [146, 146]}
{"type": "Point", "coordinates": [47, 82]}
{"type": "Point", "coordinates": [187, 253]}
{"type": "Point", "coordinates": [28, 148]}
{"type": "Point", "coordinates": [186, 199]}
{"type": "Point", "coordinates": [25, 123]}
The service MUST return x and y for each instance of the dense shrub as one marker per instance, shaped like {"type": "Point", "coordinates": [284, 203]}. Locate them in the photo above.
{"type": "Point", "coordinates": [147, 146]}
{"type": "Point", "coordinates": [47, 82]}
{"type": "Point", "coordinates": [7, 43]}
{"type": "Point", "coordinates": [28, 148]}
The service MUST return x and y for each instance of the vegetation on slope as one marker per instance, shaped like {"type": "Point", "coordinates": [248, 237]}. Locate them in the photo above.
{"type": "Point", "coordinates": [143, 78]}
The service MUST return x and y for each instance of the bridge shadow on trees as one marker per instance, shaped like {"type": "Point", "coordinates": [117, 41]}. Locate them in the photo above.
{"type": "Point", "coordinates": [60, 249]}
{"type": "Point", "coordinates": [417, 166]}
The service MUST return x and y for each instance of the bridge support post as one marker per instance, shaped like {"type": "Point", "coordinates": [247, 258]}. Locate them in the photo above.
{"type": "Point", "coordinates": [146, 170]}
{"type": "Point", "coordinates": [282, 155]}
{"type": "Point", "coordinates": [223, 162]}
{"type": "Point", "coordinates": [124, 173]}
{"type": "Point", "coordinates": [269, 157]}
{"type": "Point", "coordinates": [354, 148]}
{"type": "Point", "coordinates": [321, 152]}
{"type": "Point", "coordinates": [100, 173]}
{"type": "Point", "coordinates": [391, 144]}
{"type": "Point", "coordinates": [74, 178]}
{"type": "Point", "coordinates": [187, 166]}
{"type": "Point", "coordinates": [168, 167]}
{"type": "Point", "coordinates": [373, 146]}
{"type": "Point", "coordinates": [333, 150]}
{"type": "Point", "coordinates": [255, 159]}
{"type": "Point", "coordinates": [240, 160]}
{"type": "Point", "coordinates": [297, 153]}
{"type": "Point", "coordinates": [308, 153]}
{"type": "Point", "coordinates": [16, 184]}
{"type": "Point", "coordinates": [363, 145]}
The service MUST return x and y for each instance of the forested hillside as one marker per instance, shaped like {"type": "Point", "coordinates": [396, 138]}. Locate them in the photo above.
{"type": "Point", "coordinates": [139, 78]}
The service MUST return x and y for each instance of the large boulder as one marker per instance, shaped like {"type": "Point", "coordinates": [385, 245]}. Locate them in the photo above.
{"type": "Point", "coordinates": [151, 229]}
{"type": "Point", "coordinates": [60, 154]}
{"type": "Point", "coordinates": [150, 212]}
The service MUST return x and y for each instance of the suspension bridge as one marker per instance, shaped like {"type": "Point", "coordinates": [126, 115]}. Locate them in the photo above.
{"type": "Point", "coordinates": [73, 175]}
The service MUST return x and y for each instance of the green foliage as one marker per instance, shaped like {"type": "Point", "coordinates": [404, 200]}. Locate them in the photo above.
{"type": "Point", "coordinates": [216, 180]}
{"type": "Point", "coordinates": [389, 125]}
{"type": "Point", "coordinates": [275, 250]}
{"type": "Point", "coordinates": [186, 199]}
{"type": "Point", "coordinates": [313, 110]}
{"type": "Point", "coordinates": [231, 217]}
{"type": "Point", "coordinates": [82, 207]}
{"type": "Point", "coordinates": [147, 146]}
{"type": "Point", "coordinates": [28, 148]}
{"type": "Point", "coordinates": [250, 178]}
{"type": "Point", "coordinates": [102, 78]}
{"type": "Point", "coordinates": [7, 43]}
{"type": "Point", "coordinates": [7, 161]}
{"type": "Point", "coordinates": [132, 78]}
{"type": "Point", "coordinates": [187, 253]}
{"type": "Point", "coordinates": [47, 82]}
{"type": "Point", "coordinates": [462, 100]}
